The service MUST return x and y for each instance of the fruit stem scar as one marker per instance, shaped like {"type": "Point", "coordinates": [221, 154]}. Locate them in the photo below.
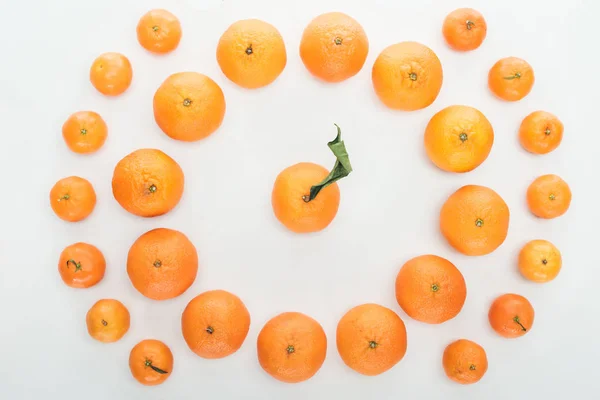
{"type": "Point", "coordinates": [470, 24]}
{"type": "Point", "coordinates": [249, 49]}
{"type": "Point", "coordinates": [373, 344]}
{"type": "Point", "coordinates": [65, 197]}
{"type": "Point", "coordinates": [290, 349]}
{"type": "Point", "coordinates": [76, 264]}
{"type": "Point", "coordinates": [516, 319]}
{"type": "Point", "coordinates": [187, 102]}
{"type": "Point", "coordinates": [479, 222]}
{"type": "Point", "coordinates": [412, 76]}
{"type": "Point", "coordinates": [83, 131]}
{"type": "Point", "coordinates": [435, 287]}
{"type": "Point", "coordinates": [104, 323]}
{"type": "Point", "coordinates": [463, 137]}
{"type": "Point", "coordinates": [155, 28]}
{"type": "Point", "coordinates": [341, 168]}
{"type": "Point", "coordinates": [152, 188]}
{"type": "Point", "coordinates": [517, 75]}
{"type": "Point", "coordinates": [544, 261]}
{"type": "Point", "coordinates": [552, 196]}
{"type": "Point", "coordinates": [338, 41]}
{"type": "Point", "coordinates": [547, 132]}
{"type": "Point", "coordinates": [210, 330]}
{"type": "Point", "coordinates": [157, 263]}
{"type": "Point", "coordinates": [472, 367]}
{"type": "Point", "coordinates": [148, 363]}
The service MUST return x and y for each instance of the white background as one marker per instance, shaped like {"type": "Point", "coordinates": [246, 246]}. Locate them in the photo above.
{"type": "Point", "coordinates": [388, 214]}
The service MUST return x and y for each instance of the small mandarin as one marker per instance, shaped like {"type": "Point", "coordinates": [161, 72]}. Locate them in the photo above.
{"type": "Point", "coordinates": [73, 199]}
{"type": "Point", "coordinates": [148, 183]}
{"type": "Point", "coordinates": [84, 132]}
{"type": "Point", "coordinates": [111, 74]}
{"type": "Point", "coordinates": [291, 347]}
{"type": "Point", "coordinates": [162, 264]}
{"type": "Point", "coordinates": [159, 31]}
{"type": "Point", "coordinates": [251, 53]}
{"type": "Point", "coordinates": [81, 265]}
{"type": "Point", "coordinates": [465, 362]}
{"type": "Point", "coordinates": [371, 339]}
{"type": "Point", "coordinates": [511, 315]}
{"type": "Point", "coordinates": [458, 138]}
{"type": "Point", "coordinates": [407, 76]}
{"type": "Point", "coordinates": [334, 47]}
{"type": "Point", "coordinates": [108, 320]}
{"type": "Point", "coordinates": [189, 106]}
{"type": "Point", "coordinates": [548, 197]}
{"type": "Point", "coordinates": [511, 79]}
{"type": "Point", "coordinates": [151, 362]}
{"type": "Point", "coordinates": [540, 132]}
{"type": "Point", "coordinates": [474, 220]}
{"type": "Point", "coordinates": [430, 289]}
{"type": "Point", "coordinates": [540, 261]}
{"type": "Point", "coordinates": [215, 324]}
{"type": "Point", "coordinates": [464, 29]}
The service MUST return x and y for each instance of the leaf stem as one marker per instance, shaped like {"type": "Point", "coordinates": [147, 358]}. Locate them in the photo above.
{"type": "Point", "coordinates": [341, 169]}
{"type": "Point", "coordinates": [516, 319]}
{"type": "Point", "coordinates": [148, 363]}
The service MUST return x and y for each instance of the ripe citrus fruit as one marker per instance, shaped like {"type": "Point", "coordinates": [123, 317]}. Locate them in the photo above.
{"type": "Point", "coordinates": [464, 29]}
{"type": "Point", "coordinates": [148, 183]}
{"type": "Point", "coordinates": [111, 74]}
{"type": "Point", "coordinates": [458, 138]}
{"type": "Point", "coordinates": [430, 289]}
{"type": "Point", "coordinates": [540, 132]}
{"type": "Point", "coordinates": [511, 315]}
{"type": "Point", "coordinates": [305, 197]}
{"type": "Point", "coordinates": [371, 339]}
{"type": "Point", "coordinates": [251, 53]}
{"type": "Point", "coordinates": [407, 76]}
{"type": "Point", "coordinates": [107, 321]}
{"type": "Point", "coordinates": [215, 324]}
{"type": "Point", "coordinates": [72, 199]}
{"type": "Point", "coordinates": [511, 79]}
{"type": "Point", "coordinates": [334, 47]}
{"type": "Point", "coordinates": [162, 264]}
{"type": "Point", "coordinates": [292, 347]}
{"type": "Point", "coordinates": [548, 196]}
{"type": "Point", "coordinates": [84, 132]}
{"type": "Point", "coordinates": [540, 261]}
{"type": "Point", "coordinates": [159, 31]}
{"type": "Point", "coordinates": [151, 362]}
{"type": "Point", "coordinates": [189, 106]}
{"type": "Point", "coordinates": [474, 220]}
{"type": "Point", "coordinates": [465, 361]}
{"type": "Point", "coordinates": [81, 265]}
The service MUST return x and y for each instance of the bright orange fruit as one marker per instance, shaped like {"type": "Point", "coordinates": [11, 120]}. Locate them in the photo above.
{"type": "Point", "coordinates": [84, 132]}
{"type": "Point", "coordinates": [159, 31]}
{"type": "Point", "coordinates": [407, 76]}
{"type": "Point", "coordinates": [189, 106]}
{"type": "Point", "coordinates": [371, 339]}
{"type": "Point", "coordinates": [151, 362]}
{"type": "Point", "coordinates": [548, 196]}
{"type": "Point", "coordinates": [541, 132]}
{"type": "Point", "coordinates": [215, 324]}
{"type": "Point", "coordinates": [111, 74]}
{"type": "Point", "coordinates": [81, 265]}
{"type": "Point", "coordinates": [108, 320]}
{"type": "Point", "coordinates": [334, 47]}
{"type": "Point", "coordinates": [430, 289]}
{"type": "Point", "coordinates": [73, 198]}
{"type": "Point", "coordinates": [511, 315]}
{"type": "Point", "coordinates": [458, 138]}
{"type": "Point", "coordinates": [465, 362]}
{"type": "Point", "coordinates": [251, 53]}
{"type": "Point", "coordinates": [464, 29]}
{"type": "Point", "coordinates": [511, 79]}
{"type": "Point", "coordinates": [540, 261]}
